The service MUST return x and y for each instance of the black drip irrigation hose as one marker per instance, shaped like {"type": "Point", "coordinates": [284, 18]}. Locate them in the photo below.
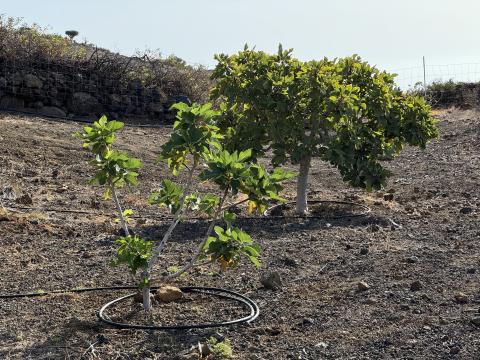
{"type": "Point", "coordinates": [84, 212]}
{"type": "Point", "coordinates": [266, 215]}
{"type": "Point", "coordinates": [221, 293]}
{"type": "Point", "coordinates": [365, 210]}
{"type": "Point", "coordinates": [87, 212]}
{"type": "Point", "coordinates": [165, 217]}
{"type": "Point", "coordinates": [217, 292]}
{"type": "Point", "coordinates": [79, 290]}
{"type": "Point", "coordinates": [66, 211]}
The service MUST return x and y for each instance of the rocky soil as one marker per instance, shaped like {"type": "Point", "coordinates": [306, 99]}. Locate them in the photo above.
{"type": "Point", "coordinates": [402, 282]}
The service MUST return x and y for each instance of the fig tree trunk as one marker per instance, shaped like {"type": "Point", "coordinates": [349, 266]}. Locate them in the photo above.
{"type": "Point", "coordinates": [302, 184]}
{"type": "Point", "coordinates": [147, 303]}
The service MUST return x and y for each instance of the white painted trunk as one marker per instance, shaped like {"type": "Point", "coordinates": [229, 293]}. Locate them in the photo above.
{"type": "Point", "coordinates": [302, 184]}
{"type": "Point", "coordinates": [147, 304]}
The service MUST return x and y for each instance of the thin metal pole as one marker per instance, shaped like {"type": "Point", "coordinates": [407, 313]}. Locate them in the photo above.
{"type": "Point", "coordinates": [424, 79]}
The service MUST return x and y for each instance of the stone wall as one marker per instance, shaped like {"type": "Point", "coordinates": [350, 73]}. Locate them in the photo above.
{"type": "Point", "coordinates": [67, 91]}
{"type": "Point", "coordinates": [449, 94]}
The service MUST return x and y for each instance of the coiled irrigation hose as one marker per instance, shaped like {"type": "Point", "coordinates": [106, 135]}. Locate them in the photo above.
{"type": "Point", "coordinates": [217, 292]}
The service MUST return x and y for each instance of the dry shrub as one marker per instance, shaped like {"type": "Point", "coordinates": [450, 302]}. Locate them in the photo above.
{"type": "Point", "coordinates": [31, 45]}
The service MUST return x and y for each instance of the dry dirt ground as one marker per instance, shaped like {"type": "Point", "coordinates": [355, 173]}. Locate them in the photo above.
{"type": "Point", "coordinates": [423, 276]}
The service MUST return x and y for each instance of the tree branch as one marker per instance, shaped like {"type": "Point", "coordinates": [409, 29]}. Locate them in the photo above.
{"type": "Point", "coordinates": [119, 209]}
{"type": "Point", "coordinates": [235, 204]}
{"type": "Point", "coordinates": [191, 264]}
{"type": "Point", "coordinates": [176, 219]}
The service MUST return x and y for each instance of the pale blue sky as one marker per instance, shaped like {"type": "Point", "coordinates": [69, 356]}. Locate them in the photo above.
{"type": "Point", "coordinates": [389, 33]}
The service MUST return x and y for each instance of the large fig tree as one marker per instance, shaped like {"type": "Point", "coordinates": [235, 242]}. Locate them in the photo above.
{"type": "Point", "coordinates": [343, 111]}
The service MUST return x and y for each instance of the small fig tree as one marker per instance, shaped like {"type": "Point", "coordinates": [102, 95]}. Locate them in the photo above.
{"type": "Point", "coordinates": [114, 169]}
{"type": "Point", "coordinates": [343, 111]}
{"type": "Point", "coordinates": [194, 147]}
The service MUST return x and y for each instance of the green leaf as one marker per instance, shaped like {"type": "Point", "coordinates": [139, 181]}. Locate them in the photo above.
{"type": "Point", "coordinates": [229, 218]}
{"type": "Point", "coordinates": [244, 155]}
{"type": "Point", "coordinates": [127, 212]}
{"type": "Point", "coordinates": [133, 163]}
{"type": "Point", "coordinates": [115, 125]}
{"type": "Point", "coordinates": [255, 261]}
{"type": "Point", "coordinates": [134, 252]}
{"type": "Point", "coordinates": [218, 230]}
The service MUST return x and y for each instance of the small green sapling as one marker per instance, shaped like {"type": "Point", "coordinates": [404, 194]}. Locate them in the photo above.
{"type": "Point", "coordinates": [114, 169]}
{"type": "Point", "coordinates": [193, 147]}
{"type": "Point", "coordinates": [195, 143]}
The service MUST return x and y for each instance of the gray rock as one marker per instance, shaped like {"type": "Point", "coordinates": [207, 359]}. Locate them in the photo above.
{"type": "Point", "coordinates": [37, 105]}
{"type": "Point", "coordinates": [454, 350]}
{"type": "Point", "coordinates": [466, 210]}
{"type": "Point", "coordinates": [84, 104]}
{"type": "Point", "coordinates": [126, 100]}
{"type": "Point", "coordinates": [32, 81]}
{"type": "Point", "coordinates": [271, 280]}
{"type": "Point", "coordinates": [363, 286]}
{"type": "Point", "coordinates": [11, 102]}
{"type": "Point", "coordinates": [115, 99]}
{"type": "Point", "coordinates": [290, 262]}
{"type": "Point", "coordinates": [52, 92]}
{"type": "Point", "coordinates": [58, 78]}
{"type": "Point", "coordinates": [53, 111]}
{"type": "Point", "coordinates": [388, 197]}
{"type": "Point", "coordinates": [412, 259]}
{"type": "Point", "coordinates": [25, 200]}
{"type": "Point", "coordinates": [56, 103]}
{"type": "Point", "coordinates": [476, 320]}
{"type": "Point", "coordinates": [308, 321]}
{"type": "Point", "coordinates": [156, 107]}
{"type": "Point", "coordinates": [8, 193]}
{"type": "Point", "coordinates": [135, 84]}
{"type": "Point", "coordinates": [461, 298]}
{"type": "Point", "coordinates": [416, 286]}
{"type": "Point", "coordinates": [442, 321]}
{"type": "Point", "coordinates": [17, 79]}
